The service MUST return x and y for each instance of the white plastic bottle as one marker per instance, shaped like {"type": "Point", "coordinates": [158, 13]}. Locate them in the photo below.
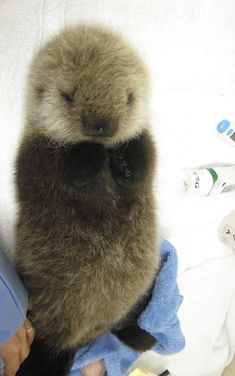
{"type": "Point", "coordinates": [206, 181]}
{"type": "Point", "coordinates": [226, 231]}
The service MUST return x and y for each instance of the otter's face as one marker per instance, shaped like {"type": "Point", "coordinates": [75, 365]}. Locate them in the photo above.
{"type": "Point", "coordinates": [87, 84]}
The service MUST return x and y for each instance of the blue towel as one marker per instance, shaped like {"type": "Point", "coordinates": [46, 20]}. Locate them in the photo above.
{"type": "Point", "coordinates": [159, 319]}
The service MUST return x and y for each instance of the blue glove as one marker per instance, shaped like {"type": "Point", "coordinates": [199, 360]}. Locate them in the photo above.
{"type": "Point", "coordinates": [13, 301]}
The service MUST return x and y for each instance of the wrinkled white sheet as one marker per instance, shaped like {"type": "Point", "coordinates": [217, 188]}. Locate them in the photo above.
{"type": "Point", "coordinates": [190, 49]}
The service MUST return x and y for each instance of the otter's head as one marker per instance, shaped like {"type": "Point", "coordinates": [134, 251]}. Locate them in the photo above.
{"type": "Point", "coordinates": [87, 84]}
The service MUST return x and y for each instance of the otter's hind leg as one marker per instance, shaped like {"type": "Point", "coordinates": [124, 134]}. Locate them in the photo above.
{"type": "Point", "coordinates": [128, 330]}
{"type": "Point", "coordinates": [42, 361]}
{"type": "Point", "coordinates": [135, 337]}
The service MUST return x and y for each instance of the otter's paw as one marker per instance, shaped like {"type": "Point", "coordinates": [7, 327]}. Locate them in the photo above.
{"type": "Point", "coordinates": [83, 163]}
{"type": "Point", "coordinates": [129, 163]}
{"type": "Point", "coordinates": [136, 338]}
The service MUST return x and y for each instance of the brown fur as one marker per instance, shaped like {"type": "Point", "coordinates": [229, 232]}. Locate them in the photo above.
{"type": "Point", "coordinates": [86, 233]}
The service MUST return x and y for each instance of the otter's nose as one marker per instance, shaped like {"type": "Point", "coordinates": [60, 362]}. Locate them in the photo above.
{"type": "Point", "coordinates": [98, 129]}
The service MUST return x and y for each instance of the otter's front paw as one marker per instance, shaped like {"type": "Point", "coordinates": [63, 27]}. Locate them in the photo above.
{"type": "Point", "coordinates": [129, 163]}
{"type": "Point", "coordinates": [83, 163]}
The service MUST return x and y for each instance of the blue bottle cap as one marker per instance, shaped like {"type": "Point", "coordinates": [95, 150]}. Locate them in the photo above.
{"type": "Point", "coordinates": [223, 126]}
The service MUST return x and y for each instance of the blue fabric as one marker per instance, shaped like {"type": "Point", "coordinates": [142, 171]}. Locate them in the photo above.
{"type": "Point", "coordinates": [13, 300]}
{"type": "Point", "coordinates": [159, 319]}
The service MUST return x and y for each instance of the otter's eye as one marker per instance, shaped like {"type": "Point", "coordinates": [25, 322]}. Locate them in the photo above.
{"type": "Point", "coordinates": [67, 97]}
{"type": "Point", "coordinates": [130, 99]}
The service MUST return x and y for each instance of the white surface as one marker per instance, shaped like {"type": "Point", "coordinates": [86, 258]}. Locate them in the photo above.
{"type": "Point", "coordinates": [190, 49]}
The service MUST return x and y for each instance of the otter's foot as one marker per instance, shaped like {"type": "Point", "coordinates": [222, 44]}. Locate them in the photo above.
{"type": "Point", "coordinates": [42, 361]}
{"type": "Point", "coordinates": [136, 338]}
{"type": "Point", "coordinates": [129, 162]}
{"type": "Point", "coordinates": [83, 163]}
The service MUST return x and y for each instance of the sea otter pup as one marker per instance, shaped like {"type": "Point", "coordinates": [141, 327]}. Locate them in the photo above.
{"type": "Point", "coordinates": [86, 231]}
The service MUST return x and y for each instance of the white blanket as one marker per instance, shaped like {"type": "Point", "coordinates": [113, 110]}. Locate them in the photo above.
{"type": "Point", "coordinates": [190, 49]}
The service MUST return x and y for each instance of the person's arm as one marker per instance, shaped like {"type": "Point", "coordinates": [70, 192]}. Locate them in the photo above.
{"type": "Point", "coordinates": [17, 348]}
{"type": "Point", "coordinates": [16, 331]}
